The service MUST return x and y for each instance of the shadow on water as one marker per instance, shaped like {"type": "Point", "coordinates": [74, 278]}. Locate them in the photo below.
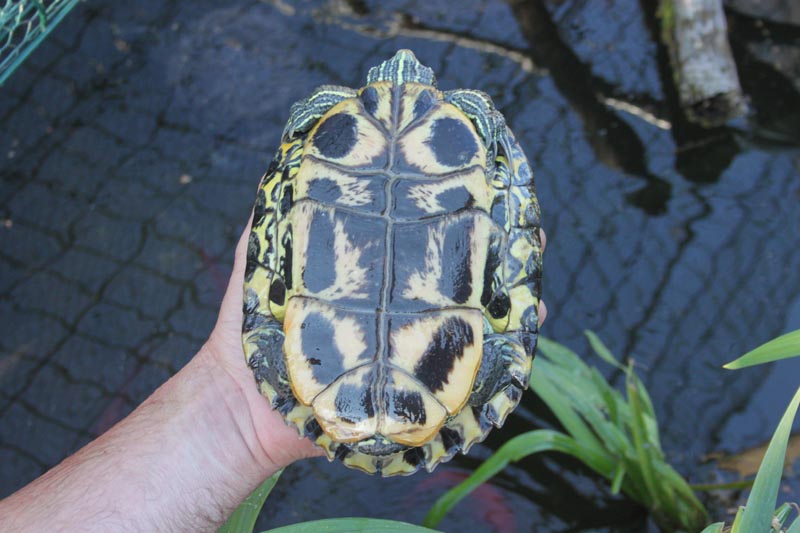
{"type": "Point", "coordinates": [614, 142]}
{"type": "Point", "coordinates": [133, 139]}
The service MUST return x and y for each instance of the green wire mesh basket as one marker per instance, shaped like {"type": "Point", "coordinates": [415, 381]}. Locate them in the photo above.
{"type": "Point", "coordinates": [23, 26]}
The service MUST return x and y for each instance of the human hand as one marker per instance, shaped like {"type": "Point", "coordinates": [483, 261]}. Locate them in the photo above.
{"type": "Point", "coordinates": [271, 441]}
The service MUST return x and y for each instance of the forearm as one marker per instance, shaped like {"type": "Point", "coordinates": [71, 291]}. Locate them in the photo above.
{"type": "Point", "coordinates": [135, 477]}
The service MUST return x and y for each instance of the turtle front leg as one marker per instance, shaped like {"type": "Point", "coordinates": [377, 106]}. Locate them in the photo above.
{"type": "Point", "coordinates": [305, 113]}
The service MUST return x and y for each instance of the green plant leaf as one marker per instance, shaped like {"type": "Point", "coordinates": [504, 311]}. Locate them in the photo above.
{"type": "Point", "coordinates": [736, 527]}
{"type": "Point", "coordinates": [783, 347]}
{"type": "Point", "coordinates": [643, 450]}
{"type": "Point", "coordinates": [714, 528]}
{"type": "Point", "coordinates": [352, 525]}
{"type": "Point", "coordinates": [760, 506]}
{"type": "Point", "coordinates": [243, 519]}
{"type": "Point", "coordinates": [540, 440]}
{"type": "Point", "coordinates": [602, 350]}
{"type": "Point", "coordinates": [619, 476]}
{"type": "Point", "coordinates": [706, 487]}
{"type": "Point", "coordinates": [795, 527]}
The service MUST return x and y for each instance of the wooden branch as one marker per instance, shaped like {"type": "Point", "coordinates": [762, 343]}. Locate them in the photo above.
{"type": "Point", "coordinates": [695, 33]}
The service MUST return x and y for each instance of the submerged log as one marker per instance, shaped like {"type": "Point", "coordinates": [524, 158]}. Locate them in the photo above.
{"type": "Point", "coordinates": [695, 33]}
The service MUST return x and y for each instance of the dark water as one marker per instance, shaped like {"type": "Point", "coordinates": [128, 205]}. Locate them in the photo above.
{"type": "Point", "coordinates": [132, 142]}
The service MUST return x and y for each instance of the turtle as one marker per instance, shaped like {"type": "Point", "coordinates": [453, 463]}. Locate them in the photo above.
{"type": "Point", "coordinates": [393, 272]}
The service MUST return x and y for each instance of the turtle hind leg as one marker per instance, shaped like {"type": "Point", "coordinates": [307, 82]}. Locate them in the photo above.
{"type": "Point", "coordinates": [504, 364]}
{"type": "Point", "coordinates": [264, 351]}
{"type": "Point", "coordinates": [502, 376]}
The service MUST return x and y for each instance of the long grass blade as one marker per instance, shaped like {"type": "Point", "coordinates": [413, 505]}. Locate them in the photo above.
{"type": "Point", "coordinates": [737, 485]}
{"type": "Point", "coordinates": [714, 528]}
{"type": "Point", "coordinates": [602, 350]}
{"type": "Point", "coordinates": [782, 513]}
{"type": "Point", "coordinates": [736, 527]}
{"type": "Point", "coordinates": [540, 440]}
{"type": "Point", "coordinates": [639, 435]}
{"type": "Point", "coordinates": [783, 347]}
{"type": "Point", "coordinates": [758, 511]}
{"type": "Point", "coordinates": [352, 525]}
{"type": "Point", "coordinates": [543, 385]}
{"type": "Point", "coordinates": [243, 519]}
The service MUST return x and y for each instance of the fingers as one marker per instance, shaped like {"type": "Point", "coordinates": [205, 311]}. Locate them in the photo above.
{"type": "Point", "coordinates": [232, 301]}
{"type": "Point", "coordinates": [543, 239]}
{"type": "Point", "coordinates": [542, 306]}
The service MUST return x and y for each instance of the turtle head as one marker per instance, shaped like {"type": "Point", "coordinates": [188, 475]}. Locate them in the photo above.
{"type": "Point", "coordinates": [400, 69]}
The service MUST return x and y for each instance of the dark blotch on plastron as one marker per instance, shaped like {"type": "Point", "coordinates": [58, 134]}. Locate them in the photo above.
{"type": "Point", "coordinates": [529, 341]}
{"type": "Point", "coordinates": [286, 261]}
{"type": "Point", "coordinates": [354, 403]}
{"type": "Point", "coordinates": [455, 199]}
{"type": "Point", "coordinates": [342, 452]}
{"type": "Point", "coordinates": [277, 291]}
{"type": "Point", "coordinates": [253, 251]}
{"type": "Point", "coordinates": [493, 260]}
{"type": "Point", "coordinates": [287, 199]}
{"type": "Point", "coordinates": [406, 406]}
{"type": "Point", "coordinates": [336, 136]}
{"type": "Point", "coordinates": [260, 209]}
{"type": "Point", "coordinates": [369, 97]}
{"type": "Point", "coordinates": [324, 190]}
{"type": "Point", "coordinates": [447, 344]}
{"type": "Point", "coordinates": [451, 142]}
{"type": "Point", "coordinates": [366, 235]}
{"type": "Point", "coordinates": [414, 456]}
{"type": "Point", "coordinates": [254, 321]}
{"type": "Point", "coordinates": [451, 439]}
{"type": "Point", "coordinates": [499, 306]}
{"type": "Point", "coordinates": [273, 166]}
{"type": "Point", "coordinates": [283, 404]}
{"type": "Point", "coordinates": [319, 272]}
{"type": "Point", "coordinates": [316, 341]}
{"type": "Point", "coordinates": [484, 423]}
{"type": "Point", "coordinates": [500, 210]}
{"type": "Point", "coordinates": [456, 280]}
{"type": "Point", "coordinates": [425, 101]}
{"type": "Point", "coordinates": [312, 429]}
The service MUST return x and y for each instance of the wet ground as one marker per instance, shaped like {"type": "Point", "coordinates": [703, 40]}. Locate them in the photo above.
{"type": "Point", "coordinates": [132, 141]}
